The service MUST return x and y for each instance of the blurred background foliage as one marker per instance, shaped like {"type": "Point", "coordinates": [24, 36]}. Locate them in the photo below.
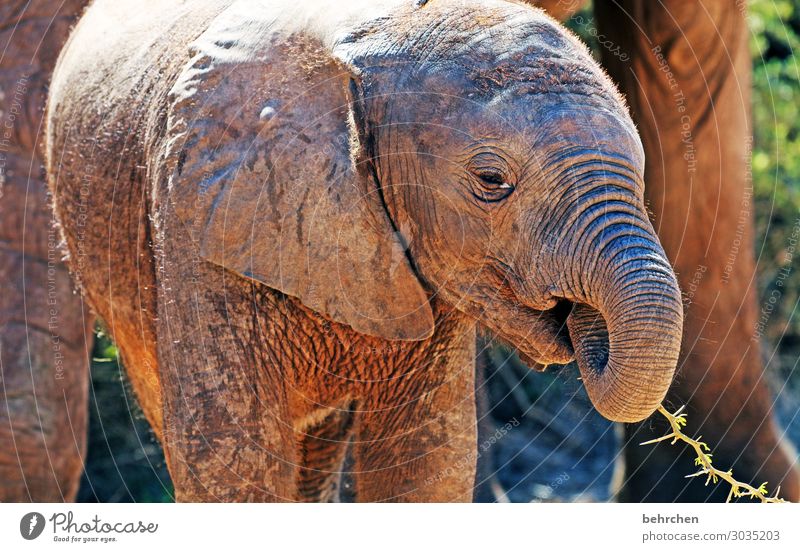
{"type": "Point", "coordinates": [775, 47]}
{"type": "Point", "coordinates": [557, 426]}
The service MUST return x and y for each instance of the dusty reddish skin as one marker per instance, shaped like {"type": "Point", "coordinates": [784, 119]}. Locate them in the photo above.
{"type": "Point", "coordinates": [252, 390]}
{"type": "Point", "coordinates": [45, 331]}
{"type": "Point", "coordinates": [643, 481]}
{"type": "Point", "coordinates": [696, 207]}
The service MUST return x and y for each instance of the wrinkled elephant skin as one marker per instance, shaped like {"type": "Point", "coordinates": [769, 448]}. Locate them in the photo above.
{"type": "Point", "coordinates": [303, 211]}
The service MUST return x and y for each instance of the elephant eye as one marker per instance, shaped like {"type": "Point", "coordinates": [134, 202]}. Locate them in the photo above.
{"type": "Point", "coordinates": [491, 186]}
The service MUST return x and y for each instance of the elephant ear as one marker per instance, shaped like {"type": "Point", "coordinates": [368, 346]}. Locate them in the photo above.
{"type": "Point", "coordinates": [267, 169]}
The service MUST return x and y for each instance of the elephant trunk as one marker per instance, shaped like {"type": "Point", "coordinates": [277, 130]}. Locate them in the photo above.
{"type": "Point", "coordinates": [626, 329]}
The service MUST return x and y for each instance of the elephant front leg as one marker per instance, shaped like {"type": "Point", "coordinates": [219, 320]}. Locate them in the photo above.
{"type": "Point", "coordinates": [423, 449]}
{"type": "Point", "coordinates": [227, 434]}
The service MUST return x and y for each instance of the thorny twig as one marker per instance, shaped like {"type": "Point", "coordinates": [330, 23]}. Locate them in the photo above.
{"type": "Point", "coordinates": [703, 461]}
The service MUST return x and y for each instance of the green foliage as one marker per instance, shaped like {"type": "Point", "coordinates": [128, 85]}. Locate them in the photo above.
{"type": "Point", "coordinates": [775, 46]}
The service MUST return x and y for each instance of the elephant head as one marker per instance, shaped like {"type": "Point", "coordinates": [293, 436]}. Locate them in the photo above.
{"type": "Point", "coordinates": [471, 152]}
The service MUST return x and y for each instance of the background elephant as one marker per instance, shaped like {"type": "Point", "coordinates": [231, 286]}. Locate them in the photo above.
{"type": "Point", "coordinates": [298, 247]}
{"type": "Point", "coordinates": [45, 332]}
{"type": "Point", "coordinates": [685, 70]}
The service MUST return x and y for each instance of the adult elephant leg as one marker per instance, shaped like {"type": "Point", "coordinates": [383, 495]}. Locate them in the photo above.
{"type": "Point", "coordinates": [45, 342]}
{"type": "Point", "coordinates": [45, 333]}
{"type": "Point", "coordinates": [227, 435]}
{"type": "Point", "coordinates": [687, 79]}
{"type": "Point", "coordinates": [421, 444]}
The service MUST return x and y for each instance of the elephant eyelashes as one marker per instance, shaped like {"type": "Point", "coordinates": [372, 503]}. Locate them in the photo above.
{"type": "Point", "coordinates": [491, 186]}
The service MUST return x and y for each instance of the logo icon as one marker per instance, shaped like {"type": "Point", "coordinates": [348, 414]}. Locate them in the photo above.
{"type": "Point", "coordinates": [31, 525]}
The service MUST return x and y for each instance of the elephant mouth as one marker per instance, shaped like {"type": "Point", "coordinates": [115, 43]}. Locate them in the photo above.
{"type": "Point", "coordinates": [540, 337]}
{"type": "Point", "coordinates": [570, 331]}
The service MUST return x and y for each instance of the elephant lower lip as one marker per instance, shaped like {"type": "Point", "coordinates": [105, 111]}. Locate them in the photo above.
{"type": "Point", "coordinates": [538, 364]}
{"type": "Point", "coordinates": [555, 347]}
{"type": "Point", "coordinates": [540, 361]}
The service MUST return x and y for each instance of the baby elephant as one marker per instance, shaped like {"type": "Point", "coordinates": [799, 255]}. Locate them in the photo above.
{"type": "Point", "coordinates": [292, 214]}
